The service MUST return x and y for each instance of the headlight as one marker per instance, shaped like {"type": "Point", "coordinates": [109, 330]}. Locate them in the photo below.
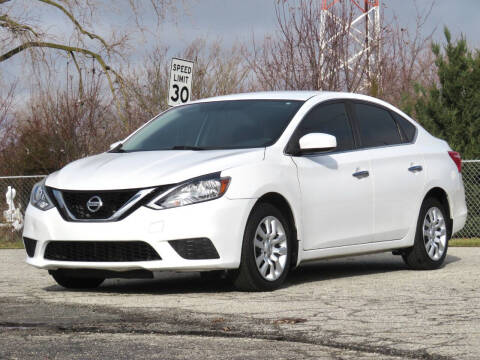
{"type": "Point", "coordinates": [193, 191]}
{"type": "Point", "coordinates": [39, 197]}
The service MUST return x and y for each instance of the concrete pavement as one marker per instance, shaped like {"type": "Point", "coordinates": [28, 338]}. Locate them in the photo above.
{"type": "Point", "coordinates": [351, 308]}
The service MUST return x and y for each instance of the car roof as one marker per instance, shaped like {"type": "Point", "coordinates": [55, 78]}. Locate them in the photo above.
{"type": "Point", "coordinates": [304, 95]}
{"type": "Point", "coordinates": [266, 95]}
{"type": "Point", "coordinates": [292, 95]}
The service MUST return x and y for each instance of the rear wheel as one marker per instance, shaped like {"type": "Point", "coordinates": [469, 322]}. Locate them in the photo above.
{"type": "Point", "coordinates": [70, 282]}
{"type": "Point", "coordinates": [431, 239]}
{"type": "Point", "coordinates": [266, 250]}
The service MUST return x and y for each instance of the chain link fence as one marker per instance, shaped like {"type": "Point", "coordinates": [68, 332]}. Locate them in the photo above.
{"type": "Point", "coordinates": [471, 180]}
{"type": "Point", "coordinates": [24, 184]}
{"type": "Point", "coordinates": [13, 202]}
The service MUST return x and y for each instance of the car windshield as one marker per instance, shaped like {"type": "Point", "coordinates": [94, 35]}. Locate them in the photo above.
{"type": "Point", "coordinates": [215, 125]}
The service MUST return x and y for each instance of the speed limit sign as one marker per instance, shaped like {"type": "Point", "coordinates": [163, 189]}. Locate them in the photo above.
{"type": "Point", "coordinates": [180, 89]}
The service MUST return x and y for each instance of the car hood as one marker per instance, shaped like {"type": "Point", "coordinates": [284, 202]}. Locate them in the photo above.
{"type": "Point", "coordinates": [147, 168]}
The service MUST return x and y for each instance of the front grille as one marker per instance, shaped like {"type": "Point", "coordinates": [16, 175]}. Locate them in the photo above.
{"type": "Point", "coordinates": [100, 251]}
{"type": "Point", "coordinates": [195, 249]}
{"type": "Point", "coordinates": [30, 246]}
{"type": "Point", "coordinates": [72, 205]}
{"type": "Point", "coordinates": [76, 202]}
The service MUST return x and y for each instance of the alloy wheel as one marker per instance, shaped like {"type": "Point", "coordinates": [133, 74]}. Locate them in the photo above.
{"type": "Point", "coordinates": [270, 248]}
{"type": "Point", "coordinates": [434, 233]}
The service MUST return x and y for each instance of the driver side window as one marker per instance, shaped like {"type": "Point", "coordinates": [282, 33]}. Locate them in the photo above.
{"type": "Point", "coordinates": [330, 119]}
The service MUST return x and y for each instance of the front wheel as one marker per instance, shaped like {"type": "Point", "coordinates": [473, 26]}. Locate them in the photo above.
{"type": "Point", "coordinates": [70, 282]}
{"type": "Point", "coordinates": [266, 250]}
{"type": "Point", "coordinates": [431, 238]}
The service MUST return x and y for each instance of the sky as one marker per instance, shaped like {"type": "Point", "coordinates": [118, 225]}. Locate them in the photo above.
{"type": "Point", "coordinates": [240, 20]}
{"type": "Point", "coordinates": [233, 19]}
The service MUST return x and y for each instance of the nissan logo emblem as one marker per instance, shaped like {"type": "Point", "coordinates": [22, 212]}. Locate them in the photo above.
{"type": "Point", "coordinates": [94, 204]}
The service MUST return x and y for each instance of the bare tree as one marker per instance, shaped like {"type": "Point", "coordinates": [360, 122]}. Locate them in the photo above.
{"type": "Point", "coordinates": [54, 128]}
{"type": "Point", "coordinates": [304, 54]}
{"type": "Point", "coordinates": [147, 87]}
{"type": "Point", "coordinates": [314, 52]}
{"type": "Point", "coordinates": [6, 101]}
{"type": "Point", "coordinates": [217, 72]}
{"type": "Point", "coordinates": [406, 58]}
{"type": "Point", "coordinates": [6, 123]}
{"type": "Point", "coordinates": [20, 33]}
{"type": "Point", "coordinates": [57, 124]}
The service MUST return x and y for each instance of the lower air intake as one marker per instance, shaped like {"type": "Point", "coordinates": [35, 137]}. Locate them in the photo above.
{"type": "Point", "coordinates": [100, 251]}
{"type": "Point", "coordinates": [195, 249]}
{"type": "Point", "coordinates": [30, 246]}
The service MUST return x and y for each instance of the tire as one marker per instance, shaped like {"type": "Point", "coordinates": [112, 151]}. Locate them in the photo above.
{"type": "Point", "coordinates": [418, 256]}
{"type": "Point", "coordinates": [69, 282]}
{"type": "Point", "coordinates": [276, 244]}
{"type": "Point", "coordinates": [213, 276]}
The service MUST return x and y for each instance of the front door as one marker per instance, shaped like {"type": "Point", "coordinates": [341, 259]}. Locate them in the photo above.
{"type": "Point", "coordinates": [336, 187]}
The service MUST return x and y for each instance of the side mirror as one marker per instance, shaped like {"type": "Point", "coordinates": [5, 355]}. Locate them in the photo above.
{"type": "Point", "coordinates": [317, 142]}
{"type": "Point", "coordinates": [115, 144]}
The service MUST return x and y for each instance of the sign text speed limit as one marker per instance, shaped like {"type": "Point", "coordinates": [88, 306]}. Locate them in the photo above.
{"type": "Point", "coordinates": [180, 89]}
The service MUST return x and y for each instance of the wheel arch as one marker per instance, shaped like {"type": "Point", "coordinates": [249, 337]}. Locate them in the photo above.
{"type": "Point", "coordinates": [442, 196]}
{"type": "Point", "coordinates": [281, 203]}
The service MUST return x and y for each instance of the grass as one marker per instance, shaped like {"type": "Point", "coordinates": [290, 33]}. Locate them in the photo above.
{"type": "Point", "coordinates": [8, 244]}
{"type": "Point", "coordinates": [462, 242]}
{"type": "Point", "coordinates": [466, 242]}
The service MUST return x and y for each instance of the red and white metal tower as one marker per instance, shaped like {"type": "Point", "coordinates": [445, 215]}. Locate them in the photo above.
{"type": "Point", "coordinates": [363, 29]}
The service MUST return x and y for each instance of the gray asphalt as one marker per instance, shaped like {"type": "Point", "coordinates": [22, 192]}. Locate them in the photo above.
{"type": "Point", "coordinates": [351, 308]}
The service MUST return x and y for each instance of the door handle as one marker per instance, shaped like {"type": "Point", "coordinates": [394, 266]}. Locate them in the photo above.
{"type": "Point", "coordinates": [361, 174]}
{"type": "Point", "coordinates": [415, 168]}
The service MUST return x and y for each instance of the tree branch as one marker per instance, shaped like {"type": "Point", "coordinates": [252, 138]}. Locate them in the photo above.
{"type": "Point", "coordinates": [71, 49]}
{"type": "Point", "coordinates": [76, 23]}
{"type": "Point", "coordinates": [7, 22]}
{"type": "Point", "coordinates": [80, 81]}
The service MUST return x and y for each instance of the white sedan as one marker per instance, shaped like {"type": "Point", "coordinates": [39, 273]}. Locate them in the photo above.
{"type": "Point", "coordinates": [252, 185]}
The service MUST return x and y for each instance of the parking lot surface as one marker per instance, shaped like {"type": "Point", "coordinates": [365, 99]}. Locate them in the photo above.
{"type": "Point", "coordinates": [351, 308]}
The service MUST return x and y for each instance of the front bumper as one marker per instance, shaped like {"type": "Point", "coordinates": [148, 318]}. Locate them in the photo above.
{"type": "Point", "coordinates": [222, 221]}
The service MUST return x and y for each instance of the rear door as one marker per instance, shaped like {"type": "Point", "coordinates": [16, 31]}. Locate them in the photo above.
{"type": "Point", "coordinates": [397, 168]}
{"type": "Point", "coordinates": [336, 189]}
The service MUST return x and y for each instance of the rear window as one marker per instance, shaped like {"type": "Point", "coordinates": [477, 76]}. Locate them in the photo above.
{"type": "Point", "coordinates": [376, 126]}
{"type": "Point", "coordinates": [408, 129]}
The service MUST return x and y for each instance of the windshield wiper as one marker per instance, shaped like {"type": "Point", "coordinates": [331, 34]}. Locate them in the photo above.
{"type": "Point", "coordinates": [188, 147]}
